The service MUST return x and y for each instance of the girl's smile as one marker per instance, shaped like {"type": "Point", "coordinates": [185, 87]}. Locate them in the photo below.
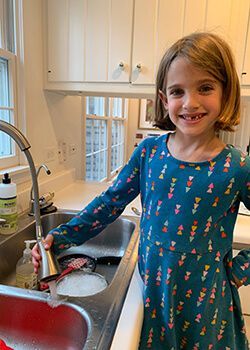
{"type": "Point", "coordinates": [192, 117]}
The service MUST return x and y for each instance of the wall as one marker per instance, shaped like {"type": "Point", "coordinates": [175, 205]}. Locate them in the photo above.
{"type": "Point", "coordinates": [50, 117]}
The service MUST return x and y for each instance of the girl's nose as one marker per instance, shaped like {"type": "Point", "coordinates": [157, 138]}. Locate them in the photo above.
{"type": "Point", "coordinates": [191, 103]}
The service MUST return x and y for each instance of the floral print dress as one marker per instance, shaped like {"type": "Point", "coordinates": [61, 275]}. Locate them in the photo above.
{"type": "Point", "coordinates": [185, 253]}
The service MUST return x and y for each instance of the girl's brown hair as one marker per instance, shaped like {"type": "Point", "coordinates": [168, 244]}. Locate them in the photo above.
{"type": "Point", "coordinates": [209, 52]}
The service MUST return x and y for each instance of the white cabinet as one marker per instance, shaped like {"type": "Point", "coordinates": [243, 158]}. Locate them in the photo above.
{"type": "Point", "coordinates": [108, 40]}
{"type": "Point", "coordinates": [246, 66]}
{"type": "Point", "coordinates": [120, 37]}
{"type": "Point", "coordinates": [159, 23]}
{"type": "Point", "coordinates": [229, 18]}
{"type": "Point", "coordinates": [117, 41]}
{"type": "Point", "coordinates": [65, 44]}
{"type": "Point", "coordinates": [89, 40]}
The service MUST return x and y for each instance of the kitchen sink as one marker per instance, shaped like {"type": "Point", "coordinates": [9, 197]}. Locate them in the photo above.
{"type": "Point", "coordinates": [28, 322]}
{"type": "Point", "coordinates": [79, 322]}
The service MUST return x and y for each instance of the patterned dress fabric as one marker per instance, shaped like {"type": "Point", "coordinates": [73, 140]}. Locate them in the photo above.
{"type": "Point", "coordinates": [185, 252]}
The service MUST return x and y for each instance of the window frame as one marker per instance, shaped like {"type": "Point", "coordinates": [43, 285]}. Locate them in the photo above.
{"type": "Point", "coordinates": [14, 159]}
{"type": "Point", "coordinates": [109, 118]}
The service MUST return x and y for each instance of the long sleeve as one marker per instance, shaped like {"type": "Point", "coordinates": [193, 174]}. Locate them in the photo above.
{"type": "Point", "coordinates": [103, 210]}
{"type": "Point", "coordinates": [241, 263]}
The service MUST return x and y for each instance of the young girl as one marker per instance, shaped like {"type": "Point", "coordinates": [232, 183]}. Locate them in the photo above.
{"type": "Point", "coordinates": [191, 185]}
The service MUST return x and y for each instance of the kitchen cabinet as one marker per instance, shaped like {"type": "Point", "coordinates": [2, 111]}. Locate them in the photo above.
{"type": "Point", "coordinates": [89, 40]}
{"type": "Point", "coordinates": [94, 42]}
{"type": "Point", "coordinates": [230, 20]}
{"type": "Point", "coordinates": [246, 66]}
{"type": "Point", "coordinates": [65, 44]}
{"type": "Point", "coordinates": [162, 22]}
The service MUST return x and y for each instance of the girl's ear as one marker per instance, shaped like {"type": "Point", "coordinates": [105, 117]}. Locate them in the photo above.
{"type": "Point", "coordinates": [163, 99]}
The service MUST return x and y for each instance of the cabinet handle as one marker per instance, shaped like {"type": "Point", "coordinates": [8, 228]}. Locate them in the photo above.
{"type": "Point", "coordinates": [138, 66]}
{"type": "Point", "coordinates": [244, 73]}
{"type": "Point", "coordinates": [121, 65]}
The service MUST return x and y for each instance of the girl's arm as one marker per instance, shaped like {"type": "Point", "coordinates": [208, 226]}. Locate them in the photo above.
{"type": "Point", "coordinates": [103, 210]}
{"type": "Point", "coordinates": [241, 262]}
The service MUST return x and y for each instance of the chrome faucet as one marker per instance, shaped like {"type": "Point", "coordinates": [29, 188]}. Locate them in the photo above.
{"type": "Point", "coordinates": [49, 267]}
{"type": "Point", "coordinates": [45, 203]}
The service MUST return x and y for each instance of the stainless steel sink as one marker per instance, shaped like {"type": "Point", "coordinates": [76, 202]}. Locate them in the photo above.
{"type": "Point", "coordinates": [28, 322]}
{"type": "Point", "coordinates": [79, 323]}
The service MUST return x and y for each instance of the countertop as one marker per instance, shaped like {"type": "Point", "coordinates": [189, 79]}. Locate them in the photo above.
{"type": "Point", "coordinates": [76, 196]}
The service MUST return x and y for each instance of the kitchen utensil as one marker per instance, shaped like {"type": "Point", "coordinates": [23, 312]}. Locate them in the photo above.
{"type": "Point", "coordinates": [89, 265]}
{"type": "Point", "coordinates": [74, 264]}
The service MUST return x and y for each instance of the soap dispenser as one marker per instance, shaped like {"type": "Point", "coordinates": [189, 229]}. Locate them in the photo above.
{"type": "Point", "coordinates": [25, 275]}
{"type": "Point", "coordinates": [8, 205]}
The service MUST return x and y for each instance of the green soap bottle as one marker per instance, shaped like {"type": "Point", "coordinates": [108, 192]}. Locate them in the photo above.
{"type": "Point", "coordinates": [8, 206]}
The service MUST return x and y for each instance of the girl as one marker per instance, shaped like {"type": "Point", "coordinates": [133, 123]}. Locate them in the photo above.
{"type": "Point", "coordinates": [191, 185]}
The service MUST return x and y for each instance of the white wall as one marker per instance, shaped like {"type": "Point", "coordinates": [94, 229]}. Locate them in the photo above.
{"type": "Point", "coordinates": [50, 117]}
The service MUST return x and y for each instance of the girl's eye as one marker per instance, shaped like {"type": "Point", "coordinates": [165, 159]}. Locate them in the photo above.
{"type": "Point", "coordinates": [206, 88]}
{"type": "Point", "coordinates": [176, 92]}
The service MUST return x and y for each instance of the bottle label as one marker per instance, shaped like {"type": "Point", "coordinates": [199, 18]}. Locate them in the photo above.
{"type": "Point", "coordinates": [8, 212]}
{"type": "Point", "coordinates": [26, 281]}
{"type": "Point", "coordinates": [8, 206]}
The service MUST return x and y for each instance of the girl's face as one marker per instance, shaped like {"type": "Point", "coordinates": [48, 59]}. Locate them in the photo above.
{"type": "Point", "coordinates": [193, 98]}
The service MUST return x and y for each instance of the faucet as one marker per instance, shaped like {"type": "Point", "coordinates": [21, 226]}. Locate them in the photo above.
{"type": "Point", "coordinates": [49, 267]}
{"type": "Point", "coordinates": [45, 203]}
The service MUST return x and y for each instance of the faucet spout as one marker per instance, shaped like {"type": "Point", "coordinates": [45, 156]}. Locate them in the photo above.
{"type": "Point", "coordinates": [49, 269]}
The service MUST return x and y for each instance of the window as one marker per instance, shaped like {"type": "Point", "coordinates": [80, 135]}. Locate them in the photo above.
{"type": "Point", "coordinates": [8, 153]}
{"type": "Point", "coordinates": [105, 133]}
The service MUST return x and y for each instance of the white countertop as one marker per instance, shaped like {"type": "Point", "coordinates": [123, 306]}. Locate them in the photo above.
{"type": "Point", "coordinates": [75, 197]}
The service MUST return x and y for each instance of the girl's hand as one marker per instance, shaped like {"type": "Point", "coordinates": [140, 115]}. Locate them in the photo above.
{"type": "Point", "coordinates": [237, 281]}
{"type": "Point", "coordinates": [36, 257]}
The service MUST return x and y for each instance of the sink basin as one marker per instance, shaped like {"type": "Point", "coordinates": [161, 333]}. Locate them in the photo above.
{"type": "Point", "coordinates": [28, 322]}
{"type": "Point", "coordinates": [112, 241]}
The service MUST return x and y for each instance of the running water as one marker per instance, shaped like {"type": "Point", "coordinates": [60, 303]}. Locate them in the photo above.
{"type": "Point", "coordinates": [54, 300]}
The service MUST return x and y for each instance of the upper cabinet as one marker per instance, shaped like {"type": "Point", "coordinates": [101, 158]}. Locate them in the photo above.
{"type": "Point", "coordinates": [159, 23]}
{"type": "Point", "coordinates": [117, 41]}
{"type": "Point", "coordinates": [246, 65]}
{"type": "Point", "coordinates": [65, 40]}
{"type": "Point", "coordinates": [89, 40]}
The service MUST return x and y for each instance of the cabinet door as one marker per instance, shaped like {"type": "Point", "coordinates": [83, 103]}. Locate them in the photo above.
{"type": "Point", "coordinates": [144, 42]}
{"type": "Point", "coordinates": [65, 50]}
{"type": "Point", "coordinates": [108, 40]}
{"type": "Point", "coordinates": [246, 67]}
{"type": "Point", "coordinates": [229, 18]}
{"type": "Point", "coordinates": [120, 39]}
{"type": "Point", "coordinates": [97, 30]}
{"type": "Point", "coordinates": [159, 23]}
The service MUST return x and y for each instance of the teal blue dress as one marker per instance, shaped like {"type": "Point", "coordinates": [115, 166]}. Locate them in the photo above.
{"type": "Point", "coordinates": [185, 253]}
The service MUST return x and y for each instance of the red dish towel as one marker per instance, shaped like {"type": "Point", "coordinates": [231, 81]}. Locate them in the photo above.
{"type": "Point", "coordinates": [3, 346]}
